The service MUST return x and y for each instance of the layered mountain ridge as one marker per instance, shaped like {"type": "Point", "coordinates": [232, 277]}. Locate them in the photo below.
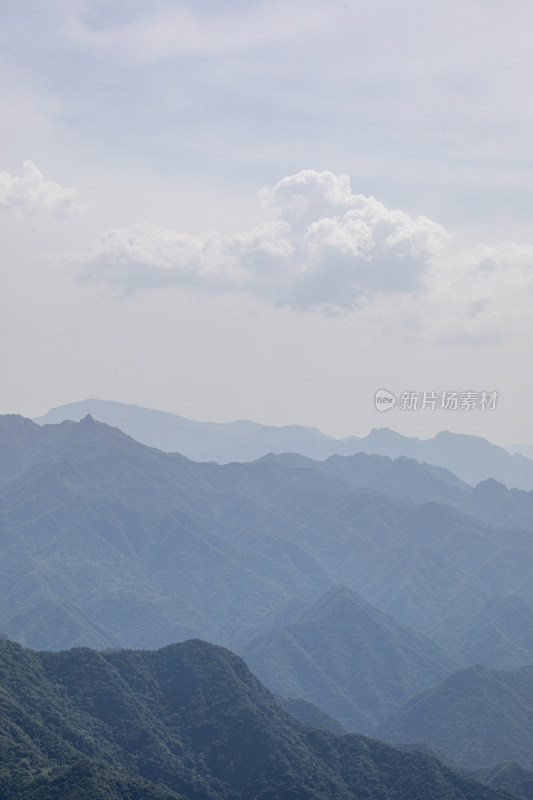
{"type": "Point", "coordinates": [471, 458]}
{"type": "Point", "coordinates": [354, 661]}
{"type": "Point", "coordinates": [106, 542]}
{"type": "Point", "coordinates": [358, 583]}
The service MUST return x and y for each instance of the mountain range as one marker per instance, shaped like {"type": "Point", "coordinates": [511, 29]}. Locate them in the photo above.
{"type": "Point", "coordinates": [106, 542]}
{"type": "Point", "coordinates": [499, 635]}
{"type": "Point", "coordinates": [475, 716]}
{"type": "Point", "coordinates": [470, 458]}
{"type": "Point", "coordinates": [202, 441]}
{"type": "Point", "coordinates": [354, 661]}
{"type": "Point", "coordinates": [354, 586]}
{"type": "Point", "coordinates": [186, 722]}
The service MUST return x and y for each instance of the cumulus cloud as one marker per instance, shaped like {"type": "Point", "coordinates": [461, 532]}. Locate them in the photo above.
{"type": "Point", "coordinates": [150, 256]}
{"type": "Point", "coordinates": [328, 249]}
{"type": "Point", "coordinates": [32, 192]}
{"type": "Point", "coordinates": [331, 250]}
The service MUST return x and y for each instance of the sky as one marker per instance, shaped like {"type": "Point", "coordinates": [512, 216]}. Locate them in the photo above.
{"type": "Point", "coordinates": [270, 211]}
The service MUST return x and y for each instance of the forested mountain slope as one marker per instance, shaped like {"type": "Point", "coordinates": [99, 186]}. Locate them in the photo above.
{"type": "Point", "coordinates": [189, 721]}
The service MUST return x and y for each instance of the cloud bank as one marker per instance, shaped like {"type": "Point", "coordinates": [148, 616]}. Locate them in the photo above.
{"type": "Point", "coordinates": [333, 251]}
{"type": "Point", "coordinates": [328, 249]}
{"type": "Point", "coordinates": [32, 192]}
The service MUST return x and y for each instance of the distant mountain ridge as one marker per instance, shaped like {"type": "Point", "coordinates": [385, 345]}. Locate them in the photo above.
{"type": "Point", "coordinates": [475, 716]}
{"type": "Point", "coordinates": [470, 458]}
{"type": "Point", "coordinates": [507, 775]}
{"type": "Point", "coordinates": [202, 441]}
{"type": "Point", "coordinates": [356, 662]}
{"type": "Point", "coordinates": [499, 635]}
{"type": "Point", "coordinates": [106, 542]}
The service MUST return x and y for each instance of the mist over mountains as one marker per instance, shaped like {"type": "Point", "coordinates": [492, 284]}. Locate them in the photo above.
{"type": "Point", "coordinates": [357, 587]}
{"type": "Point", "coordinates": [475, 716]}
{"type": "Point", "coordinates": [202, 441]}
{"type": "Point", "coordinates": [251, 212]}
{"type": "Point", "coordinates": [470, 458]}
{"type": "Point", "coordinates": [106, 542]}
{"type": "Point", "coordinates": [351, 659]}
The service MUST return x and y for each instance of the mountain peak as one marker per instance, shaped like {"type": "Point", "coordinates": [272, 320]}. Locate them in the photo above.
{"type": "Point", "coordinates": [490, 489]}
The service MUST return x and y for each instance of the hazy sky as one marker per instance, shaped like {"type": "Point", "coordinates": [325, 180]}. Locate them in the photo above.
{"type": "Point", "coordinates": [269, 210]}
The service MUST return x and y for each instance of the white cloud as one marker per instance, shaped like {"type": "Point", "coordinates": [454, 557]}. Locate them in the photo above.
{"type": "Point", "coordinates": [481, 296]}
{"type": "Point", "coordinates": [418, 100]}
{"type": "Point", "coordinates": [329, 249]}
{"type": "Point", "coordinates": [150, 256]}
{"type": "Point", "coordinates": [32, 192]}
{"type": "Point", "coordinates": [337, 252]}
